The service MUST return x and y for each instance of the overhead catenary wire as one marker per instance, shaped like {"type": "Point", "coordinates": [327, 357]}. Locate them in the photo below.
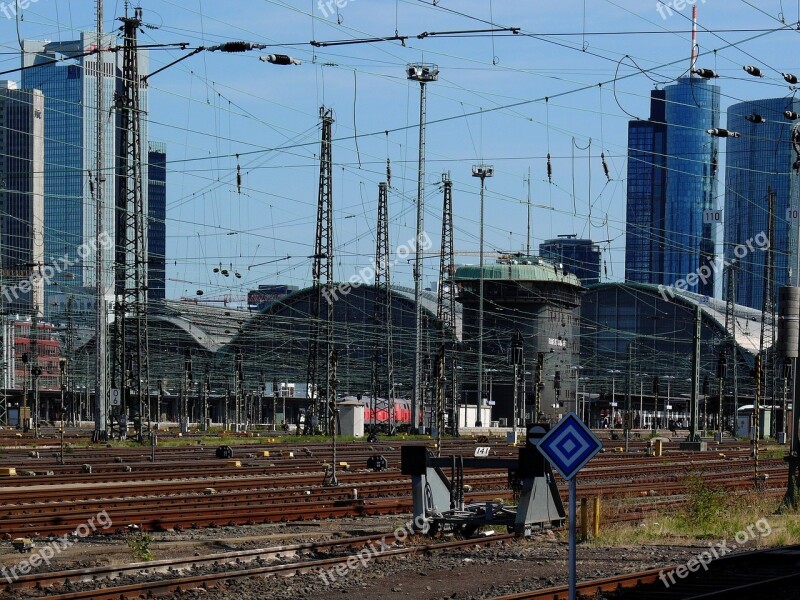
{"type": "Point", "coordinates": [175, 167]}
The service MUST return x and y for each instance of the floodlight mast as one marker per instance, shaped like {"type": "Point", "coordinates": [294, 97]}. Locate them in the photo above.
{"type": "Point", "coordinates": [424, 74]}
{"type": "Point", "coordinates": [482, 172]}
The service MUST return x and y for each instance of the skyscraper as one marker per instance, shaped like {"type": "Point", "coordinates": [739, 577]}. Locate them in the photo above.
{"type": "Point", "coordinates": [692, 107]}
{"type": "Point", "coordinates": [22, 199]}
{"type": "Point", "coordinates": [758, 161]}
{"type": "Point", "coordinates": [70, 121]}
{"type": "Point", "coordinates": [647, 175]}
{"type": "Point", "coordinates": [156, 227]}
{"type": "Point", "coordinates": [579, 257]}
{"type": "Point", "coordinates": [672, 180]}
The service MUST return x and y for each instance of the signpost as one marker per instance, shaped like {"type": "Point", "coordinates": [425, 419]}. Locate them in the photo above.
{"type": "Point", "coordinates": [568, 447]}
{"type": "Point", "coordinates": [713, 215]}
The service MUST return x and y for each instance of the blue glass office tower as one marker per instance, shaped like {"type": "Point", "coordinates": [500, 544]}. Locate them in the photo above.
{"type": "Point", "coordinates": [672, 179]}
{"type": "Point", "coordinates": [691, 107]}
{"type": "Point", "coordinates": [156, 227]}
{"type": "Point", "coordinates": [70, 122]}
{"type": "Point", "coordinates": [21, 200]}
{"type": "Point", "coordinates": [644, 234]}
{"type": "Point", "coordinates": [759, 160]}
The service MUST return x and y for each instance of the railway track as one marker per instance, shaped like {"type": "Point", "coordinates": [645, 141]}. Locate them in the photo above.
{"type": "Point", "coordinates": [173, 493]}
{"type": "Point", "coordinates": [175, 580]}
{"type": "Point", "coordinates": [771, 573]}
{"type": "Point", "coordinates": [181, 498]}
{"type": "Point", "coordinates": [108, 573]}
{"type": "Point", "coordinates": [279, 505]}
{"type": "Point", "coordinates": [757, 574]}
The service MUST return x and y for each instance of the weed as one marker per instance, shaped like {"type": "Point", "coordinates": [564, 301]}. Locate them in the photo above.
{"type": "Point", "coordinates": [139, 546]}
{"type": "Point", "coordinates": [705, 503]}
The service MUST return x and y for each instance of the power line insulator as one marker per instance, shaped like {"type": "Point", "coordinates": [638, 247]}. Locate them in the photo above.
{"type": "Point", "coordinates": [754, 71]}
{"type": "Point", "coordinates": [235, 47]}
{"type": "Point", "coordinates": [280, 59]}
{"type": "Point", "coordinates": [791, 115]}
{"type": "Point", "coordinates": [705, 73]}
{"type": "Point", "coordinates": [605, 165]}
{"type": "Point", "coordinates": [790, 78]}
{"type": "Point", "coordinates": [719, 132]}
{"type": "Point", "coordinates": [755, 118]}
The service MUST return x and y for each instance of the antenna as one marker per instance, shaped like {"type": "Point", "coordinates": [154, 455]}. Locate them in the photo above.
{"type": "Point", "coordinates": [695, 48]}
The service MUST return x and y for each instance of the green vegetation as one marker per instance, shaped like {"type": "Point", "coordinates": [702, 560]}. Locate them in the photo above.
{"type": "Point", "coordinates": [139, 546]}
{"type": "Point", "coordinates": [709, 514]}
{"type": "Point", "coordinates": [705, 507]}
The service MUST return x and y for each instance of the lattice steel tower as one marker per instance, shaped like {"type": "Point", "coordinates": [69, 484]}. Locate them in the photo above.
{"type": "Point", "coordinates": [383, 417]}
{"type": "Point", "coordinates": [766, 340]}
{"type": "Point", "coordinates": [730, 342]}
{"type": "Point", "coordinates": [446, 301]}
{"type": "Point", "coordinates": [322, 283]}
{"type": "Point", "coordinates": [131, 369]}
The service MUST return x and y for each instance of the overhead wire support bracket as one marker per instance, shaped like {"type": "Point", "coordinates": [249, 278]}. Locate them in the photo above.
{"type": "Point", "coordinates": [402, 38]}
{"type": "Point", "coordinates": [174, 62]}
{"type": "Point", "coordinates": [228, 47]}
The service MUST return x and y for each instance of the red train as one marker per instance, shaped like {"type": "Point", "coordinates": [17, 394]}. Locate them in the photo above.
{"type": "Point", "coordinates": [401, 417]}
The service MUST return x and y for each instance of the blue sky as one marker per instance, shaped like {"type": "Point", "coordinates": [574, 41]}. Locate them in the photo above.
{"type": "Point", "coordinates": [214, 106]}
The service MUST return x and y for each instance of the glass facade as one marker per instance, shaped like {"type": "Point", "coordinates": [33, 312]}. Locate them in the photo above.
{"type": "Point", "coordinates": [579, 257]}
{"type": "Point", "coordinates": [672, 179]}
{"type": "Point", "coordinates": [156, 227]}
{"type": "Point", "coordinates": [758, 161]}
{"type": "Point", "coordinates": [70, 108]}
{"type": "Point", "coordinates": [692, 107]}
{"type": "Point", "coordinates": [631, 335]}
{"type": "Point", "coordinates": [644, 238]}
{"type": "Point", "coordinates": [21, 198]}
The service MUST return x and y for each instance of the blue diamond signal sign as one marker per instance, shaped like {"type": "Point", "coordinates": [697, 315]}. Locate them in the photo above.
{"type": "Point", "coordinates": [569, 445]}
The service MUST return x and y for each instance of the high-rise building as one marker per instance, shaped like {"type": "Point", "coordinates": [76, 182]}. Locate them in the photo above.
{"type": "Point", "coordinates": [647, 155]}
{"type": "Point", "coordinates": [692, 107]}
{"type": "Point", "coordinates": [672, 180]}
{"type": "Point", "coordinates": [579, 257]}
{"type": "Point", "coordinates": [22, 200]}
{"type": "Point", "coordinates": [68, 82]}
{"type": "Point", "coordinates": [157, 227]}
{"type": "Point", "coordinates": [760, 160]}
